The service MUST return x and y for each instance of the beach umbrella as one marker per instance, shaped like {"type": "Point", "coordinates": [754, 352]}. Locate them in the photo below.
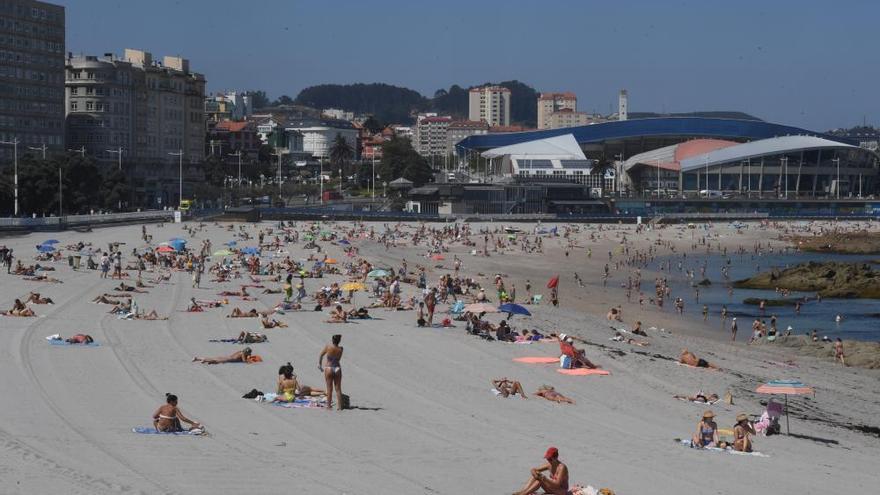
{"type": "Point", "coordinates": [514, 309]}
{"type": "Point", "coordinates": [378, 273]}
{"type": "Point", "coordinates": [480, 308]}
{"type": "Point", "coordinates": [222, 252]}
{"type": "Point", "coordinates": [331, 261]}
{"type": "Point", "coordinates": [51, 241]}
{"type": "Point", "coordinates": [165, 249]}
{"type": "Point", "coordinates": [553, 282]}
{"type": "Point", "coordinates": [250, 250]}
{"type": "Point", "coordinates": [349, 286]}
{"type": "Point", "coordinates": [785, 388]}
{"type": "Point", "coordinates": [178, 244]}
{"type": "Point", "coordinates": [345, 242]}
{"type": "Point", "coordinates": [231, 243]}
{"type": "Point", "coordinates": [438, 257]}
{"type": "Point", "coordinates": [175, 239]}
{"type": "Point", "coordinates": [45, 248]}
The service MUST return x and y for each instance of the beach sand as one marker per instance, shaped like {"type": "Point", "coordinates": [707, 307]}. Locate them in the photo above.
{"type": "Point", "coordinates": [423, 418]}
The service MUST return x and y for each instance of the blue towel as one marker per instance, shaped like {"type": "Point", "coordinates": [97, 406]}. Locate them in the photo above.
{"type": "Point", "coordinates": [61, 342]}
{"type": "Point", "coordinates": [149, 430]}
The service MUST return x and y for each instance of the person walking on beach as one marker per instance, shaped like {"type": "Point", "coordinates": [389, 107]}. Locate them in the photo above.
{"type": "Point", "coordinates": [733, 329]}
{"type": "Point", "coordinates": [838, 351]}
{"type": "Point", "coordinates": [105, 265]}
{"type": "Point", "coordinates": [556, 483]}
{"type": "Point", "coordinates": [332, 369]}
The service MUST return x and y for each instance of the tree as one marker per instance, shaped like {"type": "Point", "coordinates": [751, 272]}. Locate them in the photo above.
{"type": "Point", "coordinates": [114, 188]}
{"type": "Point", "coordinates": [373, 125]}
{"type": "Point", "coordinates": [399, 159]}
{"type": "Point", "coordinates": [340, 151]}
{"type": "Point", "coordinates": [259, 99]}
{"type": "Point", "coordinates": [283, 100]}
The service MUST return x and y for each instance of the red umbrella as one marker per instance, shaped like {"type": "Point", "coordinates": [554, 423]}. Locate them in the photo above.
{"type": "Point", "coordinates": [165, 249]}
{"type": "Point", "coordinates": [553, 282]}
{"type": "Point", "coordinates": [438, 257]}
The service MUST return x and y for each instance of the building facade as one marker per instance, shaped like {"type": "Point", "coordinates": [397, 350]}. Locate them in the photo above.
{"type": "Point", "coordinates": [31, 75]}
{"type": "Point", "coordinates": [568, 118]}
{"type": "Point", "coordinates": [429, 134]}
{"type": "Point", "coordinates": [461, 129]}
{"type": "Point", "coordinates": [318, 135]}
{"type": "Point", "coordinates": [550, 103]}
{"type": "Point", "coordinates": [490, 104]}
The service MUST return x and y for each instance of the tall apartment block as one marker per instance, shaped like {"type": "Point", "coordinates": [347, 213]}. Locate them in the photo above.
{"type": "Point", "coordinates": [31, 75]}
{"type": "Point", "coordinates": [491, 104]}
{"type": "Point", "coordinates": [429, 135]}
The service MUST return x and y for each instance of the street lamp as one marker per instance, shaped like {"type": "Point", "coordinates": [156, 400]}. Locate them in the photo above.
{"type": "Point", "coordinates": [179, 154]}
{"type": "Point", "coordinates": [784, 161]}
{"type": "Point", "coordinates": [617, 170]}
{"type": "Point", "coordinates": [837, 188]}
{"type": "Point", "coordinates": [41, 148]}
{"type": "Point", "coordinates": [14, 144]}
{"type": "Point", "coordinates": [81, 151]}
{"type": "Point", "coordinates": [119, 152]}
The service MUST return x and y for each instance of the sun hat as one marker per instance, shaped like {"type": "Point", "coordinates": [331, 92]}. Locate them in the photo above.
{"type": "Point", "coordinates": [562, 337]}
{"type": "Point", "coordinates": [741, 417]}
{"type": "Point", "coordinates": [551, 453]}
{"type": "Point", "coordinates": [708, 414]}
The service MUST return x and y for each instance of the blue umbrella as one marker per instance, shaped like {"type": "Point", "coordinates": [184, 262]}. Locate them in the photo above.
{"type": "Point", "coordinates": [250, 250]}
{"type": "Point", "coordinates": [45, 248]}
{"type": "Point", "coordinates": [177, 239]}
{"type": "Point", "coordinates": [343, 241]}
{"type": "Point", "coordinates": [514, 309]}
{"type": "Point", "coordinates": [231, 243]}
{"type": "Point", "coordinates": [51, 241]}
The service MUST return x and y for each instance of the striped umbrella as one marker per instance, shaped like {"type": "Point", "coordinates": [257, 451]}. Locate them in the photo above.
{"type": "Point", "coordinates": [785, 388]}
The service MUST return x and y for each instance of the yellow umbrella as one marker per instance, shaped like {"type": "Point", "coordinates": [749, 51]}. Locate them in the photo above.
{"type": "Point", "coordinates": [350, 286]}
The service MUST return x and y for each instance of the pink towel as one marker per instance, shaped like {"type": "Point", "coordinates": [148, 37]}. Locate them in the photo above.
{"type": "Point", "coordinates": [582, 371]}
{"type": "Point", "coordinates": [537, 359]}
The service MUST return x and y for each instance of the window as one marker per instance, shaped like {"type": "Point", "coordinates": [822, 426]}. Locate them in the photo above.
{"type": "Point", "coordinates": [73, 106]}
{"type": "Point", "coordinates": [74, 91]}
{"type": "Point", "coordinates": [89, 106]}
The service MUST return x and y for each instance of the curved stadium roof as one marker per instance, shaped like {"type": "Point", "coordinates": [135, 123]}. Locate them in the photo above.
{"type": "Point", "coordinates": [659, 127]}
{"type": "Point", "coordinates": [764, 147]}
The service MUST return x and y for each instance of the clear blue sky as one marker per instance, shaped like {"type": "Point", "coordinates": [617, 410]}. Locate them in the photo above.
{"type": "Point", "coordinates": [808, 63]}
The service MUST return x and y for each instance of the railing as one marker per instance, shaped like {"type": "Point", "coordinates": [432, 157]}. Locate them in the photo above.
{"type": "Point", "coordinates": [79, 220]}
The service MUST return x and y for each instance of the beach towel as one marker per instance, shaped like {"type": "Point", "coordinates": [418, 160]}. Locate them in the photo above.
{"type": "Point", "coordinates": [582, 371]}
{"type": "Point", "coordinates": [687, 443]}
{"type": "Point", "coordinates": [149, 430]}
{"type": "Point", "coordinates": [304, 402]}
{"type": "Point", "coordinates": [64, 343]}
{"type": "Point", "coordinates": [537, 360]}
{"type": "Point", "coordinates": [695, 367]}
{"type": "Point", "coordinates": [254, 359]}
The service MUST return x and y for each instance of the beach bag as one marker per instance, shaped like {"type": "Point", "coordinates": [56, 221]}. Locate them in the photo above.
{"type": "Point", "coordinates": [565, 361]}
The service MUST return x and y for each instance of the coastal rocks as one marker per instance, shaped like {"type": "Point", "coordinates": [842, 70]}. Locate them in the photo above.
{"type": "Point", "coordinates": [862, 242]}
{"type": "Point", "coordinates": [828, 279]}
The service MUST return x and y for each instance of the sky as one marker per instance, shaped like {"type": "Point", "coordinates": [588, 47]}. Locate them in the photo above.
{"type": "Point", "coordinates": [808, 63]}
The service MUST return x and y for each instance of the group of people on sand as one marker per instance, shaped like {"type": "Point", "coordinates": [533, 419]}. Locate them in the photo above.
{"type": "Point", "coordinates": [707, 435]}
{"type": "Point", "coordinates": [506, 387]}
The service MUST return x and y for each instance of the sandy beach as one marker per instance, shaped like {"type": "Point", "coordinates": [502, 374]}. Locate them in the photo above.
{"type": "Point", "coordinates": [423, 418]}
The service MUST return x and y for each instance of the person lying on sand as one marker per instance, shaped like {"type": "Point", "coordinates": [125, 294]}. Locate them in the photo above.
{"type": "Point", "coordinates": [272, 291]}
{"type": "Point", "coordinates": [273, 323]}
{"type": "Point", "coordinates": [509, 387]}
{"type": "Point", "coordinates": [43, 278]}
{"type": "Point", "coordinates": [338, 315]}
{"type": "Point", "coordinates": [19, 309]}
{"type": "Point", "coordinates": [80, 338]}
{"type": "Point", "coordinates": [622, 338]}
{"type": "Point", "coordinates": [242, 293]}
{"type": "Point", "coordinates": [238, 313]}
{"type": "Point", "coordinates": [289, 387]}
{"type": "Point", "coordinates": [168, 417]}
{"type": "Point", "coordinates": [699, 397]}
{"type": "Point", "coordinates": [359, 314]}
{"type": "Point", "coordinates": [555, 484]}
{"type": "Point", "coordinates": [152, 315]}
{"type": "Point", "coordinates": [550, 393]}
{"type": "Point", "coordinates": [236, 357]}
{"type": "Point", "coordinates": [128, 288]}
{"type": "Point", "coordinates": [287, 306]}
{"type": "Point", "coordinates": [251, 338]}
{"type": "Point", "coordinates": [689, 358]}
{"type": "Point", "coordinates": [34, 297]}
{"type": "Point", "coordinates": [707, 431]}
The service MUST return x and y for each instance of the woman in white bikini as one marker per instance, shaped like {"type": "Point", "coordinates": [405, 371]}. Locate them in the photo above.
{"type": "Point", "coordinates": [332, 370]}
{"type": "Point", "coordinates": [168, 417]}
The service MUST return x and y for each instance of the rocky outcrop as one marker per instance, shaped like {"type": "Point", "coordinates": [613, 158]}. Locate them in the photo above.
{"type": "Point", "coordinates": [830, 279]}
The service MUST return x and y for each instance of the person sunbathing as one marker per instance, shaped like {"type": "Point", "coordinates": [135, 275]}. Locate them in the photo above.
{"type": "Point", "coordinates": [555, 484]}
{"type": "Point", "coordinates": [238, 313]}
{"type": "Point", "coordinates": [289, 387]}
{"type": "Point", "coordinates": [194, 307]}
{"type": "Point", "coordinates": [273, 323]}
{"type": "Point", "coordinates": [742, 432]}
{"type": "Point", "coordinates": [338, 315]}
{"type": "Point", "coordinates": [35, 298]}
{"type": "Point", "coordinates": [272, 291]}
{"type": "Point", "coordinates": [128, 288]}
{"type": "Point", "coordinates": [43, 278]}
{"type": "Point", "coordinates": [152, 315]}
{"type": "Point", "coordinates": [122, 307]}
{"type": "Point", "coordinates": [242, 293]}
{"type": "Point", "coordinates": [699, 397]}
{"type": "Point", "coordinates": [251, 338]}
{"type": "Point", "coordinates": [80, 339]}
{"type": "Point", "coordinates": [689, 358]}
{"type": "Point", "coordinates": [629, 340]}
{"type": "Point", "coordinates": [550, 393]}
{"type": "Point", "coordinates": [286, 306]}
{"type": "Point", "coordinates": [707, 432]}
{"type": "Point", "coordinates": [19, 309]}
{"type": "Point", "coordinates": [236, 357]}
{"type": "Point", "coordinates": [578, 356]}
{"type": "Point", "coordinates": [168, 417]}
{"type": "Point", "coordinates": [508, 387]}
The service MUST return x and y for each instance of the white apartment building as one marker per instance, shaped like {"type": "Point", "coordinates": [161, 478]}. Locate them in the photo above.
{"type": "Point", "coordinates": [319, 134]}
{"type": "Point", "coordinates": [429, 135]}
{"type": "Point", "coordinates": [490, 104]}
{"type": "Point", "coordinates": [337, 113]}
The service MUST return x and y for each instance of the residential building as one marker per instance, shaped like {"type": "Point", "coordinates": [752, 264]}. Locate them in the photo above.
{"type": "Point", "coordinates": [429, 135]}
{"type": "Point", "coordinates": [31, 75]}
{"type": "Point", "coordinates": [318, 135]}
{"type": "Point", "coordinates": [234, 136]}
{"type": "Point", "coordinates": [242, 104]}
{"type": "Point", "coordinates": [372, 146]}
{"type": "Point", "coordinates": [336, 113]}
{"type": "Point", "coordinates": [217, 109]}
{"type": "Point", "coordinates": [461, 129]}
{"type": "Point", "coordinates": [550, 103]}
{"type": "Point", "coordinates": [491, 104]}
{"type": "Point", "coordinates": [402, 131]}
{"type": "Point", "coordinates": [567, 118]}
{"type": "Point", "coordinates": [100, 101]}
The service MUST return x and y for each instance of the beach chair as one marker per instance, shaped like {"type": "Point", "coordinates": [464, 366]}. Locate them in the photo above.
{"type": "Point", "coordinates": [456, 310]}
{"type": "Point", "coordinates": [536, 299]}
{"type": "Point", "coordinates": [768, 424]}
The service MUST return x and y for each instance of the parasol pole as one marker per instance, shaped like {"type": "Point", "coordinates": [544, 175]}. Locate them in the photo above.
{"type": "Point", "coordinates": [787, 429]}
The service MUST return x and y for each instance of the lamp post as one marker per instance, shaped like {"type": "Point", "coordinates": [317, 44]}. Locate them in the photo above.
{"type": "Point", "coordinates": [14, 144]}
{"type": "Point", "coordinates": [837, 188]}
{"type": "Point", "coordinates": [784, 162]}
{"type": "Point", "coordinates": [81, 151]}
{"type": "Point", "coordinates": [41, 148]}
{"type": "Point", "coordinates": [179, 154]}
{"type": "Point", "coordinates": [321, 179]}
{"type": "Point", "coordinates": [119, 152]}
{"type": "Point", "coordinates": [238, 154]}
{"type": "Point", "coordinates": [707, 175]}
{"type": "Point", "coordinates": [373, 178]}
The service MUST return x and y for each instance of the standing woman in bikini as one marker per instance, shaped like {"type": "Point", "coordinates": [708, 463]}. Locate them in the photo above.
{"type": "Point", "coordinates": [332, 370]}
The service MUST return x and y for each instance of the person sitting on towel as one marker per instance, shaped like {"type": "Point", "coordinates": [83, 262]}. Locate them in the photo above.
{"type": "Point", "coordinates": [742, 432]}
{"type": "Point", "coordinates": [80, 339]}
{"type": "Point", "coordinates": [707, 431]}
{"type": "Point", "coordinates": [578, 357]}
{"type": "Point", "coordinates": [289, 387]}
{"type": "Point", "coordinates": [19, 309]}
{"type": "Point", "coordinates": [689, 358]}
{"type": "Point", "coordinates": [168, 417]}
{"type": "Point", "coordinates": [509, 387]}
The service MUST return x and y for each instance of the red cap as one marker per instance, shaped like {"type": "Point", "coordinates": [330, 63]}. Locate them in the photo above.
{"type": "Point", "coordinates": [551, 453]}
